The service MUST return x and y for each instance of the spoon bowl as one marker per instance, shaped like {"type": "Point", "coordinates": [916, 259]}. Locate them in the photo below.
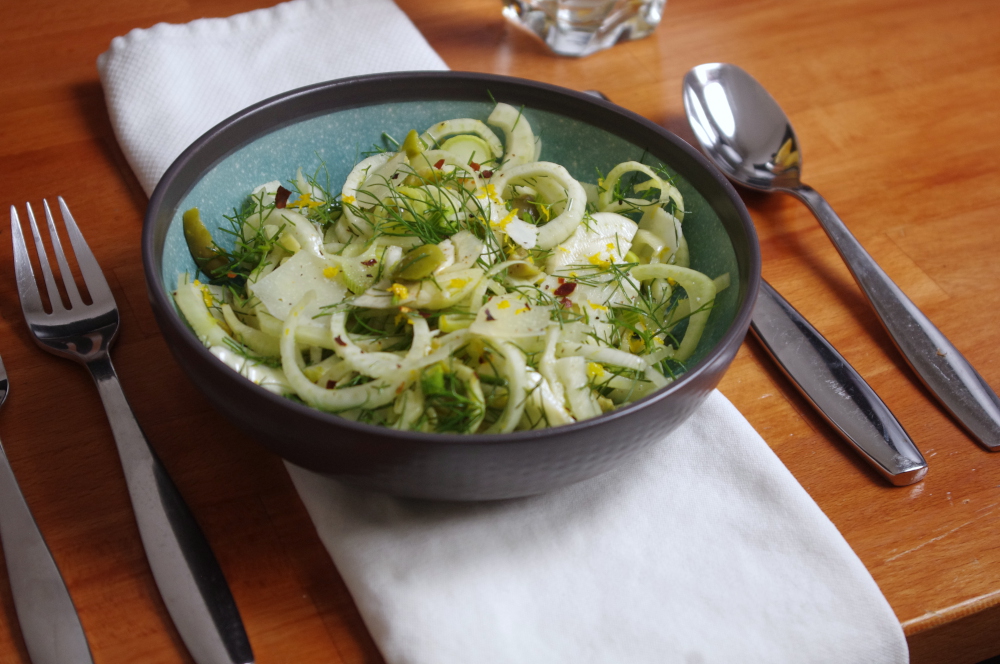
{"type": "Point", "coordinates": [741, 128]}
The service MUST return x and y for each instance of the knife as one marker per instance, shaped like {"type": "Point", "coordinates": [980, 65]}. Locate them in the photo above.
{"type": "Point", "coordinates": [835, 389]}
{"type": "Point", "coordinates": [833, 386]}
{"type": "Point", "coordinates": [49, 623]}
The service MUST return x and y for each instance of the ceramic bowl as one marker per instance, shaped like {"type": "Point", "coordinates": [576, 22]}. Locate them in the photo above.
{"type": "Point", "coordinates": [333, 124]}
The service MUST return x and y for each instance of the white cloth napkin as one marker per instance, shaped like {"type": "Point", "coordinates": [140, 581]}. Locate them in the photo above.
{"type": "Point", "coordinates": [168, 85]}
{"type": "Point", "coordinates": [701, 549]}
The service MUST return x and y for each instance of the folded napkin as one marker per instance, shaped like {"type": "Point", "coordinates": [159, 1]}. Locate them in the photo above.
{"type": "Point", "coordinates": [168, 85]}
{"type": "Point", "coordinates": [702, 548]}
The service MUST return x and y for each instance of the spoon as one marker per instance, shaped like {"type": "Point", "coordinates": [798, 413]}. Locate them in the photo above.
{"type": "Point", "coordinates": [746, 134]}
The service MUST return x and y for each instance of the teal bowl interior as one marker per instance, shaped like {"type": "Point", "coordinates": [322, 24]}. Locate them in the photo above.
{"type": "Point", "coordinates": [328, 145]}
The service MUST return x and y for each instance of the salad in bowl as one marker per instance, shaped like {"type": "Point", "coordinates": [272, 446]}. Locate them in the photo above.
{"type": "Point", "coordinates": [454, 282]}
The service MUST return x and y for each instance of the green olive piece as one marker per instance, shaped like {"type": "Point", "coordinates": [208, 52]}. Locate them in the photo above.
{"type": "Point", "coordinates": [412, 145]}
{"type": "Point", "coordinates": [432, 379]}
{"type": "Point", "coordinates": [528, 206]}
{"type": "Point", "coordinates": [420, 263]}
{"type": "Point", "coordinates": [200, 244]}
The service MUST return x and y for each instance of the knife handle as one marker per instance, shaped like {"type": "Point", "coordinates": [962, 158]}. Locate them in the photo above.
{"type": "Point", "coordinates": [837, 391]}
{"type": "Point", "coordinates": [49, 623]}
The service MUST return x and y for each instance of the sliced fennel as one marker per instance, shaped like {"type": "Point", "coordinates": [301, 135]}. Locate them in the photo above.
{"type": "Point", "coordinates": [458, 285]}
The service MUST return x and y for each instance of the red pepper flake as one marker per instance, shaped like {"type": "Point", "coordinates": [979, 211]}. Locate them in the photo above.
{"type": "Point", "coordinates": [231, 275]}
{"type": "Point", "coordinates": [439, 164]}
{"type": "Point", "coordinates": [489, 316]}
{"type": "Point", "coordinates": [561, 280]}
{"type": "Point", "coordinates": [340, 342]}
{"type": "Point", "coordinates": [330, 384]}
{"type": "Point", "coordinates": [566, 302]}
{"type": "Point", "coordinates": [395, 175]}
{"type": "Point", "coordinates": [281, 197]}
{"type": "Point", "coordinates": [370, 262]}
{"type": "Point", "coordinates": [487, 174]}
{"type": "Point", "coordinates": [565, 289]}
{"type": "Point", "coordinates": [474, 166]}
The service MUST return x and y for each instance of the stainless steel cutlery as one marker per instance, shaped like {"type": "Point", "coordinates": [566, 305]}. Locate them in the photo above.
{"type": "Point", "coordinates": [49, 623]}
{"type": "Point", "coordinates": [746, 134]}
{"type": "Point", "coordinates": [185, 569]}
{"type": "Point", "coordinates": [835, 389]}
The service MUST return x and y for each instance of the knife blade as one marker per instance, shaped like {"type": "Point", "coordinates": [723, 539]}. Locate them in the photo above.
{"type": "Point", "coordinates": [835, 389]}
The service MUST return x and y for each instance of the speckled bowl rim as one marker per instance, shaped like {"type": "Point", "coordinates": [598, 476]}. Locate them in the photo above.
{"type": "Point", "coordinates": [300, 104]}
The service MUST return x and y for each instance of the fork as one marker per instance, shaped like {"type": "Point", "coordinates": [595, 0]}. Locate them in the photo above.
{"type": "Point", "coordinates": [185, 569]}
{"type": "Point", "coordinates": [49, 622]}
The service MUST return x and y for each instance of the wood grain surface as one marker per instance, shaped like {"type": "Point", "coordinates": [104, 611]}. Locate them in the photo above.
{"type": "Point", "coordinates": [897, 107]}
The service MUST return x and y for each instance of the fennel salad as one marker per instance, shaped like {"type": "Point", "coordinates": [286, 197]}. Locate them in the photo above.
{"type": "Point", "coordinates": [457, 283]}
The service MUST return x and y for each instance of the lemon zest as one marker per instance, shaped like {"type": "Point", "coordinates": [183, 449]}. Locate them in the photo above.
{"type": "Point", "coordinates": [597, 260]}
{"type": "Point", "coordinates": [503, 223]}
{"type": "Point", "coordinates": [207, 296]}
{"type": "Point", "coordinates": [306, 201]}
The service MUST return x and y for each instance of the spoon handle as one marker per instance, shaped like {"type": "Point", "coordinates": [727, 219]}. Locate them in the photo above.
{"type": "Point", "coordinates": [945, 372]}
{"type": "Point", "coordinates": [835, 389]}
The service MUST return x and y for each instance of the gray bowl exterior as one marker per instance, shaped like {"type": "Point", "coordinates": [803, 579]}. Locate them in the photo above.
{"type": "Point", "coordinates": [438, 466]}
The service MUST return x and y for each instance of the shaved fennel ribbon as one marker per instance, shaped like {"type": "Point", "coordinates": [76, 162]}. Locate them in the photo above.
{"type": "Point", "coordinates": [439, 293]}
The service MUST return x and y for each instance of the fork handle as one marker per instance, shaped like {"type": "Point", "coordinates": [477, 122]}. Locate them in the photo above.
{"type": "Point", "coordinates": [186, 572]}
{"type": "Point", "coordinates": [49, 622]}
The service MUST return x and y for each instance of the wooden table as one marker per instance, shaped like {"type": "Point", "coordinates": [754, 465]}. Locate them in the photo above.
{"type": "Point", "coordinates": [896, 106]}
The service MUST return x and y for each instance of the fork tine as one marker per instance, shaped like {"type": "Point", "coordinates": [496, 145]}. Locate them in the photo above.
{"type": "Point", "coordinates": [68, 281]}
{"type": "Point", "coordinates": [93, 276]}
{"type": "Point", "coordinates": [55, 299]}
{"type": "Point", "coordinates": [27, 287]}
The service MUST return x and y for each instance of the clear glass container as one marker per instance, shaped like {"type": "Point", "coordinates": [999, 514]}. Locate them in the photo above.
{"type": "Point", "coordinates": [581, 27]}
